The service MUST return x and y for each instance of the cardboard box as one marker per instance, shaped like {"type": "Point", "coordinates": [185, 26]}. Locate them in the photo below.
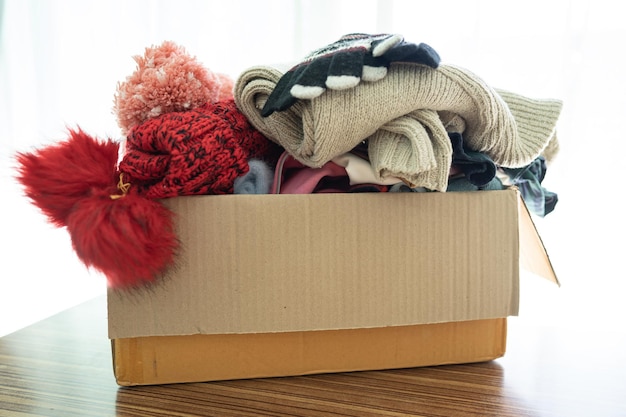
{"type": "Point", "coordinates": [277, 285]}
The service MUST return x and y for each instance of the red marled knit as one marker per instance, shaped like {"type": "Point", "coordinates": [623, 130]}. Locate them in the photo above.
{"type": "Point", "coordinates": [199, 151]}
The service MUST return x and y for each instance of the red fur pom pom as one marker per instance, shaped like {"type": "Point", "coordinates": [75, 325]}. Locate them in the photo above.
{"type": "Point", "coordinates": [56, 177]}
{"type": "Point", "coordinates": [130, 239]}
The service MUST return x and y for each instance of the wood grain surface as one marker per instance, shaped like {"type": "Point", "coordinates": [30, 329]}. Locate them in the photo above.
{"type": "Point", "coordinates": [62, 367]}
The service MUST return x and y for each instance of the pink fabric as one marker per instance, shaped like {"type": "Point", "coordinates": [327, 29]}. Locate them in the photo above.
{"type": "Point", "coordinates": [293, 177]}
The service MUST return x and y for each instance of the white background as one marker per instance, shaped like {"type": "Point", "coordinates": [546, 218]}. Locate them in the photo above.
{"type": "Point", "coordinates": [60, 62]}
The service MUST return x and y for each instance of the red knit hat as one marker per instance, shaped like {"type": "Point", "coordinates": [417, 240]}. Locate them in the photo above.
{"type": "Point", "coordinates": [185, 136]}
{"type": "Point", "coordinates": [199, 151]}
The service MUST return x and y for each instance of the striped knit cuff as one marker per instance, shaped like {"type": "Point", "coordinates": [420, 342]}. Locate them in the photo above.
{"type": "Point", "coordinates": [536, 121]}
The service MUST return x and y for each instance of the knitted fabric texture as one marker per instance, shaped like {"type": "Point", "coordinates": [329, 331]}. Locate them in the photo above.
{"type": "Point", "coordinates": [523, 109]}
{"type": "Point", "coordinates": [200, 151]}
{"type": "Point", "coordinates": [258, 180]}
{"type": "Point", "coordinates": [316, 130]}
{"type": "Point", "coordinates": [414, 147]}
{"type": "Point", "coordinates": [343, 64]}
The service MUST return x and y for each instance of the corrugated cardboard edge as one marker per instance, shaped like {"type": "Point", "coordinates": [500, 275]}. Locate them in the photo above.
{"type": "Point", "coordinates": [200, 358]}
{"type": "Point", "coordinates": [236, 276]}
{"type": "Point", "coordinates": [533, 254]}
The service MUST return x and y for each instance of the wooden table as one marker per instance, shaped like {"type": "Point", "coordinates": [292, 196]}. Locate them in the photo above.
{"type": "Point", "coordinates": [62, 367]}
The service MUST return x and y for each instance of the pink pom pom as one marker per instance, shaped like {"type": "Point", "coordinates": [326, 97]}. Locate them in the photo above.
{"type": "Point", "coordinates": [167, 79]}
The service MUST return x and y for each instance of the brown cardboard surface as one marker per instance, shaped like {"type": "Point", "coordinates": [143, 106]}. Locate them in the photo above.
{"type": "Point", "coordinates": [293, 263]}
{"type": "Point", "coordinates": [533, 255]}
{"type": "Point", "coordinates": [172, 359]}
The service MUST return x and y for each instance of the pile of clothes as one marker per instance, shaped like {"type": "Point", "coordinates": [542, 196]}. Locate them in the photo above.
{"type": "Point", "coordinates": [416, 126]}
{"type": "Point", "coordinates": [367, 113]}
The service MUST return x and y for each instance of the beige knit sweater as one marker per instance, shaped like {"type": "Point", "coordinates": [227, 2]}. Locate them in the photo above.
{"type": "Point", "coordinates": [405, 118]}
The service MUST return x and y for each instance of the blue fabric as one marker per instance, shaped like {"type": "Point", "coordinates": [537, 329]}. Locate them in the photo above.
{"type": "Point", "coordinates": [463, 184]}
{"type": "Point", "coordinates": [529, 180]}
{"type": "Point", "coordinates": [258, 180]}
{"type": "Point", "coordinates": [479, 169]}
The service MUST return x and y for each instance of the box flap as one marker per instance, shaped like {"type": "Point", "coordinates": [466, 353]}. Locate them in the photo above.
{"type": "Point", "coordinates": [200, 358]}
{"type": "Point", "coordinates": [533, 254]}
{"type": "Point", "coordinates": [279, 263]}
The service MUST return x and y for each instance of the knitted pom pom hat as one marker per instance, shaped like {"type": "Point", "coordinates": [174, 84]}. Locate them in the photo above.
{"type": "Point", "coordinates": [185, 136]}
{"type": "Point", "coordinates": [199, 151]}
{"type": "Point", "coordinates": [112, 212]}
{"type": "Point", "coordinates": [167, 79]}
